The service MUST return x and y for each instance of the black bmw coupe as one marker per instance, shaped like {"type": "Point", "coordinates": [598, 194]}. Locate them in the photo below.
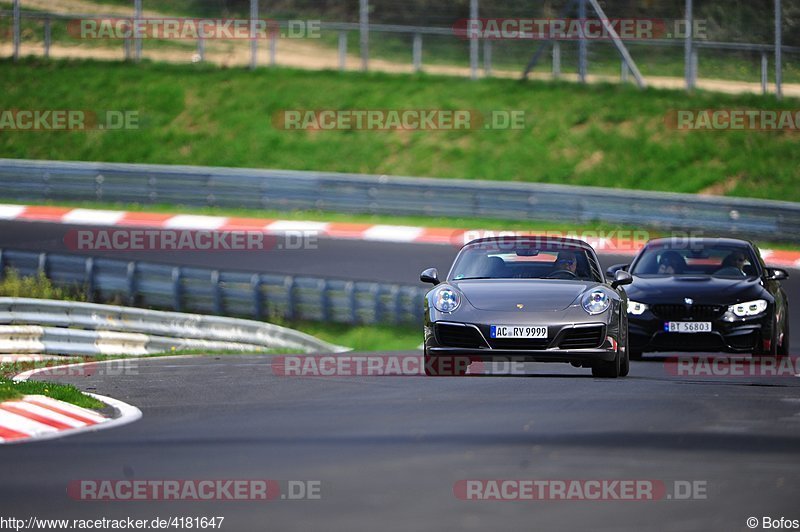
{"type": "Point", "coordinates": [526, 299]}
{"type": "Point", "coordinates": [705, 294]}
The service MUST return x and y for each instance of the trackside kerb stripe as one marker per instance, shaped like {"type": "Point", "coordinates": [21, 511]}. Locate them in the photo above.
{"type": "Point", "coordinates": [36, 417]}
{"type": "Point", "coordinates": [83, 419]}
{"type": "Point", "coordinates": [335, 230]}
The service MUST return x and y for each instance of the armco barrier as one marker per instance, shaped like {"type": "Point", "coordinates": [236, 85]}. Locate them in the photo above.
{"type": "Point", "coordinates": [223, 293]}
{"type": "Point", "coordinates": [76, 328]}
{"type": "Point", "coordinates": [24, 180]}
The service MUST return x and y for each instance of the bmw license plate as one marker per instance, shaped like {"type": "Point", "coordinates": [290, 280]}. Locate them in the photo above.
{"type": "Point", "coordinates": [518, 331]}
{"type": "Point", "coordinates": [687, 326]}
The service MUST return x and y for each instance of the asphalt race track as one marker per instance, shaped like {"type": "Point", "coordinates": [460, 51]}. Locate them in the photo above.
{"type": "Point", "coordinates": [389, 450]}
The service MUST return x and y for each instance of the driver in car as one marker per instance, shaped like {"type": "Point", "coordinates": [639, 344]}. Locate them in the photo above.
{"type": "Point", "coordinates": [566, 261]}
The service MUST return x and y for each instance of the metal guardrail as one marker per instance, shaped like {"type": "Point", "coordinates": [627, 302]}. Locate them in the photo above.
{"type": "Point", "coordinates": [223, 293]}
{"type": "Point", "coordinates": [67, 327]}
{"type": "Point", "coordinates": [25, 180]}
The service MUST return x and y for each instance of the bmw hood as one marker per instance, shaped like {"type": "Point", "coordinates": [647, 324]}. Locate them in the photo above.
{"type": "Point", "coordinates": [535, 295]}
{"type": "Point", "coordinates": [701, 288]}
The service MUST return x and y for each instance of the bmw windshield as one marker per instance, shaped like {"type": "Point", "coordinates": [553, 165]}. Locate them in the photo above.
{"type": "Point", "coordinates": [729, 261]}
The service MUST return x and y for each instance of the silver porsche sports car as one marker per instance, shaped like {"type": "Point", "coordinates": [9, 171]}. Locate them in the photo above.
{"type": "Point", "coordinates": [526, 298]}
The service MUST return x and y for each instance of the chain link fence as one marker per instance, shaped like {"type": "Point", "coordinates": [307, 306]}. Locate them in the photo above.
{"type": "Point", "coordinates": [732, 46]}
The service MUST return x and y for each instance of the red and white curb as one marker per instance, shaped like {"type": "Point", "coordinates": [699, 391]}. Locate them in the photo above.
{"type": "Point", "coordinates": [613, 242]}
{"type": "Point", "coordinates": [37, 417]}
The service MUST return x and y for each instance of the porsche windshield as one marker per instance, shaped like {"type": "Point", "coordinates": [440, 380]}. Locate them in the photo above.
{"type": "Point", "coordinates": [524, 260]}
{"type": "Point", "coordinates": [717, 261]}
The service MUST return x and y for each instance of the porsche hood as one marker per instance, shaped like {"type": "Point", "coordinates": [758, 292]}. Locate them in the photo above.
{"type": "Point", "coordinates": [535, 295]}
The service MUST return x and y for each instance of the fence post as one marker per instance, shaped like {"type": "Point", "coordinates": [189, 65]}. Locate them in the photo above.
{"type": "Point", "coordinates": [556, 59]}
{"type": "Point", "coordinates": [253, 39]}
{"type": "Point", "coordinates": [137, 15]}
{"type": "Point", "coordinates": [695, 63]}
{"type": "Point", "coordinates": [48, 36]}
{"type": "Point", "coordinates": [16, 29]}
{"type": "Point", "coordinates": [582, 56]}
{"type": "Point", "coordinates": [177, 303]}
{"type": "Point", "coordinates": [688, 46]}
{"type": "Point", "coordinates": [417, 52]}
{"type": "Point", "coordinates": [363, 21]}
{"type": "Point", "coordinates": [778, 50]}
{"type": "Point", "coordinates": [342, 50]}
{"type": "Point", "coordinates": [623, 73]}
{"type": "Point", "coordinates": [764, 72]}
{"type": "Point", "coordinates": [42, 264]}
{"type": "Point", "coordinates": [255, 287]}
{"type": "Point", "coordinates": [201, 46]}
{"type": "Point", "coordinates": [273, 46]}
{"type": "Point", "coordinates": [473, 41]}
{"type": "Point", "coordinates": [487, 57]}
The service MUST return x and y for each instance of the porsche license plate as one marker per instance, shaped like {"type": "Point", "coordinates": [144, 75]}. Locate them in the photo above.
{"type": "Point", "coordinates": [518, 331]}
{"type": "Point", "coordinates": [687, 326]}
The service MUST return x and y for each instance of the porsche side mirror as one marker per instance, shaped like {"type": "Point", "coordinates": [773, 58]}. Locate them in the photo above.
{"type": "Point", "coordinates": [612, 270]}
{"type": "Point", "coordinates": [621, 278]}
{"type": "Point", "coordinates": [431, 275]}
{"type": "Point", "coordinates": [776, 274]}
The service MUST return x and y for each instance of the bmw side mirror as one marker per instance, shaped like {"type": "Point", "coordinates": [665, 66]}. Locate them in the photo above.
{"type": "Point", "coordinates": [621, 278]}
{"type": "Point", "coordinates": [612, 270]}
{"type": "Point", "coordinates": [431, 275]}
{"type": "Point", "coordinates": [776, 274]}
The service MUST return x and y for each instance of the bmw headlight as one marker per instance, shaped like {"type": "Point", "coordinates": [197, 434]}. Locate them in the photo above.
{"type": "Point", "coordinates": [636, 308]}
{"type": "Point", "coordinates": [446, 299]}
{"type": "Point", "coordinates": [596, 302]}
{"type": "Point", "coordinates": [748, 308]}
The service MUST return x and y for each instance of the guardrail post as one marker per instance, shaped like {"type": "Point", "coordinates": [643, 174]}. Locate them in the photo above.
{"type": "Point", "coordinates": [88, 276]}
{"type": "Point", "coordinates": [219, 308]}
{"type": "Point", "coordinates": [16, 29]}
{"type": "Point", "coordinates": [764, 72]}
{"type": "Point", "coordinates": [48, 36]}
{"type": "Point", "coordinates": [289, 284]}
{"type": "Point", "coordinates": [623, 73]}
{"type": "Point", "coordinates": [2, 265]}
{"type": "Point", "coordinates": [556, 59]}
{"type": "Point", "coordinates": [342, 50]}
{"type": "Point", "coordinates": [324, 300]}
{"type": "Point", "coordinates": [375, 292]}
{"type": "Point", "coordinates": [130, 280]}
{"type": "Point", "coordinates": [41, 267]}
{"type": "Point", "coordinates": [350, 296]}
{"type": "Point", "coordinates": [177, 289]}
{"type": "Point", "coordinates": [417, 52]}
{"type": "Point", "coordinates": [396, 304]}
{"type": "Point", "coordinates": [255, 287]}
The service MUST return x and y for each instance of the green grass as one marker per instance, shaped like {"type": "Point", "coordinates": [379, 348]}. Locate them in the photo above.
{"type": "Point", "coordinates": [14, 285]}
{"type": "Point", "coordinates": [62, 392]}
{"type": "Point", "coordinates": [604, 135]}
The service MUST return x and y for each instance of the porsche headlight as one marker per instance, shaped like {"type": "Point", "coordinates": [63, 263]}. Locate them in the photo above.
{"type": "Point", "coordinates": [596, 302]}
{"type": "Point", "coordinates": [636, 308]}
{"type": "Point", "coordinates": [748, 308]}
{"type": "Point", "coordinates": [446, 299]}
